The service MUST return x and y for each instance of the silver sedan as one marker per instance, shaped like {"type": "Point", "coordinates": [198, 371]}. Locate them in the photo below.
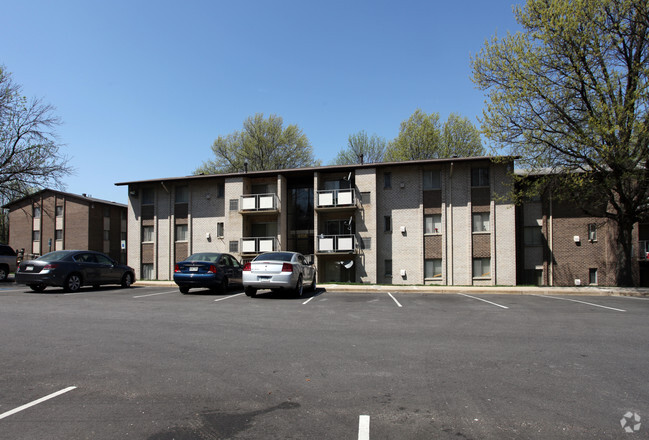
{"type": "Point", "coordinates": [279, 271]}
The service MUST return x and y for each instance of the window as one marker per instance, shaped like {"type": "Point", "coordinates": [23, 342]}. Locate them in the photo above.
{"type": "Point", "coordinates": [481, 222]}
{"type": "Point", "coordinates": [147, 271]}
{"type": "Point", "coordinates": [387, 221]}
{"type": "Point", "coordinates": [433, 268]}
{"type": "Point", "coordinates": [387, 180]}
{"type": "Point", "coordinates": [432, 179]}
{"type": "Point", "coordinates": [388, 268]}
{"type": "Point", "coordinates": [148, 196]}
{"type": "Point", "coordinates": [532, 236]}
{"type": "Point", "coordinates": [592, 276]}
{"type": "Point", "coordinates": [592, 232]}
{"type": "Point", "coordinates": [182, 194]}
{"type": "Point", "coordinates": [106, 235]}
{"type": "Point", "coordinates": [147, 233]}
{"type": "Point", "coordinates": [58, 234]}
{"type": "Point", "coordinates": [220, 229]}
{"type": "Point", "coordinates": [367, 243]}
{"type": "Point", "coordinates": [59, 211]}
{"type": "Point", "coordinates": [106, 211]}
{"type": "Point", "coordinates": [234, 246]}
{"type": "Point", "coordinates": [366, 198]}
{"type": "Point", "coordinates": [181, 232]}
{"type": "Point", "coordinates": [37, 212]}
{"type": "Point", "coordinates": [481, 267]}
{"type": "Point", "coordinates": [234, 204]}
{"type": "Point", "coordinates": [480, 176]}
{"type": "Point", "coordinates": [433, 224]}
{"type": "Point", "coordinates": [220, 190]}
{"type": "Point", "coordinates": [36, 235]}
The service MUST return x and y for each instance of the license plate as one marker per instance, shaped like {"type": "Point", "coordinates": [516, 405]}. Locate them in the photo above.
{"type": "Point", "coordinates": [193, 269]}
{"type": "Point", "coordinates": [29, 268]}
{"type": "Point", "coordinates": [260, 278]}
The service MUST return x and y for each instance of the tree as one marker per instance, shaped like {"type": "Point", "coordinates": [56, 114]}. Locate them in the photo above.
{"type": "Point", "coordinates": [421, 137]}
{"type": "Point", "coordinates": [570, 93]}
{"type": "Point", "coordinates": [29, 152]}
{"type": "Point", "coordinates": [264, 144]}
{"type": "Point", "coordinates": [372, 148]}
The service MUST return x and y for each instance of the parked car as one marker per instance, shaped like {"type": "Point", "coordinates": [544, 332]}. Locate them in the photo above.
{"type": "Point", "coordinates": [7, 261]}
{"type": "Point", "coordinates": [208, 270]}
{"type": "Point", "coordinates": [279, 271]}
{"type": "Point", "coordinates": [72, 270]}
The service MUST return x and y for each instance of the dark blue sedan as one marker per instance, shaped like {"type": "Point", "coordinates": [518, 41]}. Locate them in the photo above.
{"type": "Point", "coordinates": [210, 270]}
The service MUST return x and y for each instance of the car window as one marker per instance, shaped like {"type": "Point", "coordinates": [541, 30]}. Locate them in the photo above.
{"type": "Point", "coordinates": [54, 256]}
{"type": "Point", "coordinates": [102, 259]}
{"type": "Point", "coordinates": [85, 258]}
{"type": "Point", "coordinates": [275, 256]}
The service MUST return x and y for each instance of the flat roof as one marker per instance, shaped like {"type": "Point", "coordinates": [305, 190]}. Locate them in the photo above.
{"type": "Point", "coordinates": [329, 168]}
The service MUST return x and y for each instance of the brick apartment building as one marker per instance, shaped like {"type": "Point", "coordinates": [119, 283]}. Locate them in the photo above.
{"type": "Point", "coordinates": [431, 221]}
{"type": "Point", "coordinates": [52, 220]}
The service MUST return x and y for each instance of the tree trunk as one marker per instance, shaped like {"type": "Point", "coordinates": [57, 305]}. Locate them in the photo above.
{"type": "Point", "coordinates": [624, 251]}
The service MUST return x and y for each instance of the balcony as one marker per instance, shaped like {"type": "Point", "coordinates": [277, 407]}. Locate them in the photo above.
{"type": "Point", "coordinates": [336, 199]}
{"type": "Point", "coordinates": [259, 203]}
{"type": "Point", "coordinates": [258, 245]}
{"type": "Point", "coordinates": [643, 246]}
{"type": "Point", "coordinates": [336, 244]}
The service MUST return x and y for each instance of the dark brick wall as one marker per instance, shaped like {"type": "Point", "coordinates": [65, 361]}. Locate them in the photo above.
{"type": "Point", "coordinates": [481, 245]}
{"type": "Point", "coordinates": [432, 247]}
{"type": "Point", "coordinates": [20, 226]}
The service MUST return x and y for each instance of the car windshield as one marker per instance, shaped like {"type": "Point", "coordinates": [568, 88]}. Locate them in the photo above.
{"type": "Point", "coordinates": [54, 256]}
{"type": "Point", "coordinates": [204, 256]}
{"type": "Point", "coordinates": [275, 256]}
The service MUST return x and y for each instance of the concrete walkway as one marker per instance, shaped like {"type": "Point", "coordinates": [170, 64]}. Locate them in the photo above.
{"type": "Point", "coordinates": [500, 290]}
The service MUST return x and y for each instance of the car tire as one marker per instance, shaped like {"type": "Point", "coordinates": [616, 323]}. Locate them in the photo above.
{"type": "Point", "coordinates": [4, 273]}
{"type": "Point", "coordinates": [250, 291]}
{"type": "Point", "coordinates": [184, 290]}
{"type": "Point", "coordinates": [127, 280]}
{"type": "Point", "coordinates": [72, 283]}
{"type": "Point", "coordinates": [37, 287]}
{"type": "Point", "coordinates": [299, 287]}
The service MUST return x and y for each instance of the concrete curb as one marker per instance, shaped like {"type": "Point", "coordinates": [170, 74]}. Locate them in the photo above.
{"type": "Point", "coordinates": [497, 290]}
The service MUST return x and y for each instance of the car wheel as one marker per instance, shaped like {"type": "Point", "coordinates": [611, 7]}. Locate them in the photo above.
{"type": "Point", "coordinates": [4, 273]}
{"type": "Point", "coordinates": [299, 287]}
{"type": "Point", "coordinates": [37, 287]}
{"type": "Point", "coordinates": [312, 286]}
{"type": "Point", "coordinates": [184, 290]}
{"type": "Point", "coordinates": [127, 280]}
{"type": "Point", "coordinates": [250, 291]}
{"type": "Point", "coordinates": [72, 283]}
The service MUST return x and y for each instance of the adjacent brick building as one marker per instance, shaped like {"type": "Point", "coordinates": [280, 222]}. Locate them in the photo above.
{"type": "Point", "coordinates": [52, 220]}
{"type": "Point", "coordinates": [441, 221]}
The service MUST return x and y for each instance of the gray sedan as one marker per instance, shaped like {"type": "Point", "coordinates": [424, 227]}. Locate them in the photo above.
{"type": "Point", "coordinates": [279, 271]}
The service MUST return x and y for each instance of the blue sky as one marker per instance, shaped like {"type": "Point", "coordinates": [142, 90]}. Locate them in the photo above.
{"type": "Point", "coordinates": [144, 88]}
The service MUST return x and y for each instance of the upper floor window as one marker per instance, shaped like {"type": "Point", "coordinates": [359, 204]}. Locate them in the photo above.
{"type": "Point", "coordinates": [181, 232]}
{"type": "Point", "coordinates": [59, 211]}
{"type": "Point", "coordinates": [387, 180]}
{"type": "Point", "coordinates": [481, 222]}
{"type": "Point", "coordinates": [433, 224]}
{"type": "Point", "coordinates": [387, 223]}
{"type": "Point", "coordinates": [37, 212]}
{"type": "Point", "coordinates": [480, 176]}
{"type": "Point", "coordinates": [592, 232]}
{"type": "Point", "coordinates": [533, 236]}
{"type": "Point", "coordinates": [147, 233]}
{"type": "Point", "coordinates": [182, 194]}
{"type": "Point", "coordinates": [106, 211]}
{"type": "Point", "coordinates": [432, 179]}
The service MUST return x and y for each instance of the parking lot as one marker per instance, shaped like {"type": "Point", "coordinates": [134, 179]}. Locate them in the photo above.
{"type": "Point", "coordinates": [151, 363]}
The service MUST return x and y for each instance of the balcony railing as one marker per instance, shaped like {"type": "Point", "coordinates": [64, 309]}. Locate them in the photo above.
{"type": "Point", "coordinates": [644, 249]}
{"type": "Point", "coordinates": [336, 243]}
{"type": "Point", "coordinates": [334, 198]}
{"type": "Point", "coordinates": [259, 202]}
{"type": "Point", "coordinates": [257, 245]}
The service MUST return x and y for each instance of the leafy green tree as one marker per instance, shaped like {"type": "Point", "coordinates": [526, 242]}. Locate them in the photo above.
{"type": "Point", "coordinates": [570, 93]}
{"type": "Point", "coordinates": [372, 148]}
{"type": "Point", "coordinates": [422, 137]}
{"type": "Point", "coordinates": [264, 144]}
{"type": "Point", "coordinates": [29, 152]}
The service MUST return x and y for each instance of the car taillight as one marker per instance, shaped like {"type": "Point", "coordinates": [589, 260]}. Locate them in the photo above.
{"type": "Point", "coordinates": [287, 267]}
{"type": "Point", "coordinates": [212, 269]}
{"type": "Point", "coordinates": [50, 266]}
{"type": "Point", "coordinates": [176, 268]}
{"type": "Point", "coordinates": [247, 267]}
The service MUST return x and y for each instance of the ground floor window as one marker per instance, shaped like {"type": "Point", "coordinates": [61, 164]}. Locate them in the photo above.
{"type": "Point", "coordinates": [388, 268]}
{"type": "Point", "coordinates": [592, 276]}
{"type": "Point", "coordinates": [481, 267]}
{"type": "Point", "coordinates": [433, 269]}
{"type": "Point", "coordinates": [147, 271]}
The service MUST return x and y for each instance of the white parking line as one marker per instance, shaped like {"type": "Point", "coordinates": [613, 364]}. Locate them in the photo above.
{"type": "Point", "coordinates": [307, 301]}
{"type": "Point", "coordinates": [35, 402]}
{"type": "Point", "coordinates": [151, 294]}
{"type": "Point", "coordinates": [364, 428]}
{"type": "Point", "coordinates": [228, 297]}
{"type": "Point", "coordinates": [480, 299]}
{"type": "Point", "coordinates": [581, 302]}
{"type": "Point", "coordinates": [395, 300]}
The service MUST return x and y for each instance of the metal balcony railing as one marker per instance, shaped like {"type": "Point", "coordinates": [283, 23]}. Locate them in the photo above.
{"type": "Point", "coordinates": [332, 198]}
{"type": "Point", "coordinates": [336, 243]}
{"type": "Point", "coordinates": [259, 202]}
{"type": "Point", "coordinates": [257, 245]}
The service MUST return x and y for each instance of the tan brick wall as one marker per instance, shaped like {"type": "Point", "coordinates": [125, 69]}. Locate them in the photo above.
{"type": "Point", "coordinates": [366, 225]}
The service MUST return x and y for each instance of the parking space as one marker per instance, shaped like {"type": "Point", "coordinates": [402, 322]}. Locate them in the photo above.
{"type": "Point", "coordinates": [150, 362]}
